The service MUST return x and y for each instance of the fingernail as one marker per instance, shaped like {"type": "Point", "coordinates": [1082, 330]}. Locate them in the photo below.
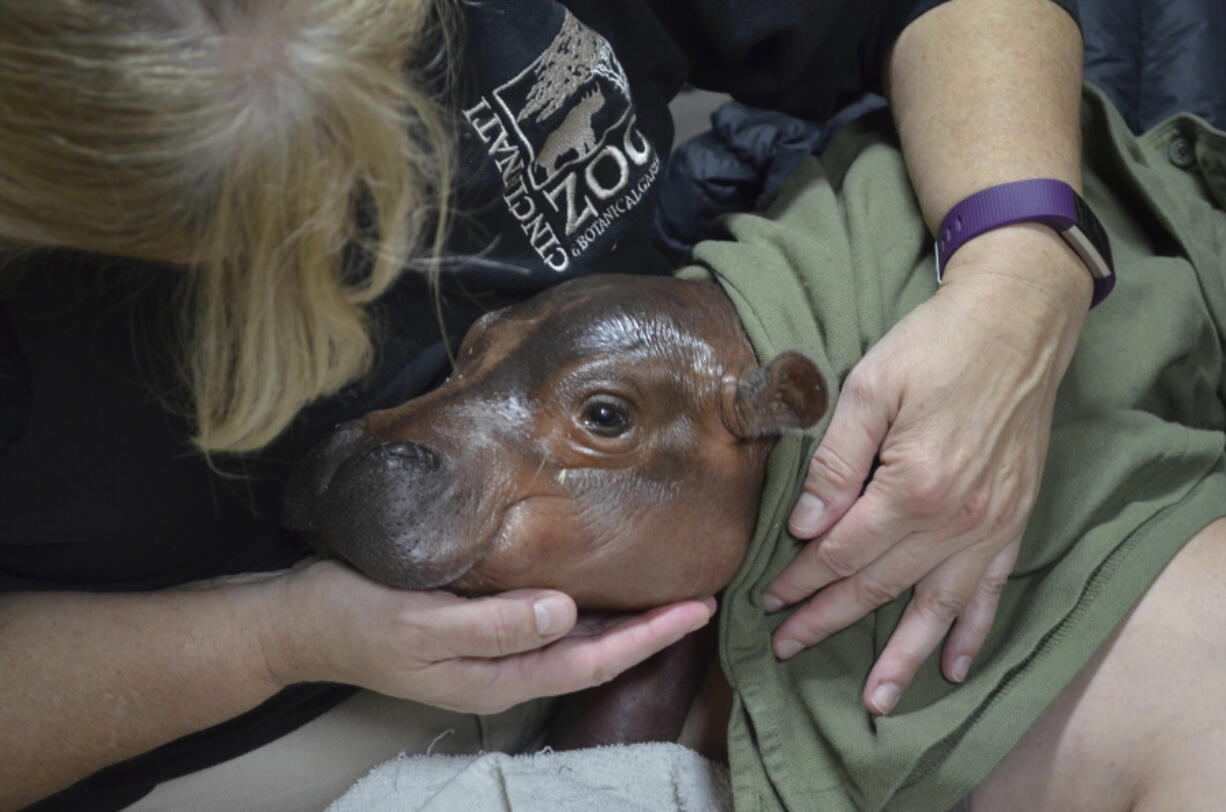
{"type": "Point", "coordinates": [885, 697]}
{"type": "Point", "coordinates": [551, 615]}
{"type": "Point", "coordinates": [770, 603]}
{"type": "Point", "coordinates": [786, 649]}
{"type": "Point", "coordinates": [807, 514]}
{"type": "Point", "coordinates": [961, 668]}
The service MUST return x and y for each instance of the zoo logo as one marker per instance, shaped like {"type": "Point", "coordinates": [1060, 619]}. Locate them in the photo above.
{"type": "Point", "coordinates": [562, 134]}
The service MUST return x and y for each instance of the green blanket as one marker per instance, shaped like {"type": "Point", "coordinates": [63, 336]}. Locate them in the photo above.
{"type": "Point", "coordinates": [1135, 468]}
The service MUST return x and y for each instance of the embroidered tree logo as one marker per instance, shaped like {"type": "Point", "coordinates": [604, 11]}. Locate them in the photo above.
{"type": "Point", "coordinates": [576, 54]}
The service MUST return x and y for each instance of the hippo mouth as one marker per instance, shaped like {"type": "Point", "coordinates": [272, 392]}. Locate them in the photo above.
{"type": "Point", "coordinates": [394, 511]}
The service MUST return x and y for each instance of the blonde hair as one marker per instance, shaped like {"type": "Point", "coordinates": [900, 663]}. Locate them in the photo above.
{"type": "Point", "coordinates": [289, 155]}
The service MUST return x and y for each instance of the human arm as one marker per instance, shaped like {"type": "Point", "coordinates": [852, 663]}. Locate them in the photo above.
{"type": "Point", "coordinates": [955, 402]}
{"type": "Point", "coordinates": [88, 680]}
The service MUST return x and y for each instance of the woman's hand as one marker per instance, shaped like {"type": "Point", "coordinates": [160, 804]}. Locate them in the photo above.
{"type": "Point", "coordinates": [482, 655]}
{"type": "Point", "coordinates": [955, 405]}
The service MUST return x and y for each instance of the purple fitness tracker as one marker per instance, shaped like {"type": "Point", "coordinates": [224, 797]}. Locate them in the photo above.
{"type": "Point", "coordinates": [1050, 202]}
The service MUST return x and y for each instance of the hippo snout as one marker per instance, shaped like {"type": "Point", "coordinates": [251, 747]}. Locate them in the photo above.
{"type": "Point", "coordinates": [374, 505]}
{"type": "Point", "coordinates": [409, 455]}
{"type": "Point", "coordinates": [310, 478]}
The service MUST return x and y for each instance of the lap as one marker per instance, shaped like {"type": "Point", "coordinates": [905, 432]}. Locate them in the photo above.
{"type": "Point", "coordinates": [1143, 723]}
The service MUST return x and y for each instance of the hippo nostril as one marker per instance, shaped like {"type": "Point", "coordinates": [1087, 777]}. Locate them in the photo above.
{"type": "Point", "coordinates": [313, 473]}
{"type": "Point", "coordinates": [411, 453]}
{"type": "Point", "coordinates": [386, 512]}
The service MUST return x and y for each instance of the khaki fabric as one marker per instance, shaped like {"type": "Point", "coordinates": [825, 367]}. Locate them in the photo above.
{"type": "Point", "coordinates": [1135, 467]}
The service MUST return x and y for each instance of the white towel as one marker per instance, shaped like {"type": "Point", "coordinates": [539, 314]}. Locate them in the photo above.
{"type": "Point", "coordinates": [627, 778]}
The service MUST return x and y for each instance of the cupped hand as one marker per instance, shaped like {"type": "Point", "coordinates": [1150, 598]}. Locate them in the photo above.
{"type": "Point", "coordinates": [955, 406]}
{"type": "Point", "coordinates": [480, 655]}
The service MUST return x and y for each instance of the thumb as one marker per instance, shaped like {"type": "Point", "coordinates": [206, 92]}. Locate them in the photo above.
{"type": "Point", "coordinates": [501, 625]}
{"type": "Point", "coordinates": [842, 461]}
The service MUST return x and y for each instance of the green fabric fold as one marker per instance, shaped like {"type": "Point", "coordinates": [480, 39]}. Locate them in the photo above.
{"type": "Point", "coordinates": [1135, 466]}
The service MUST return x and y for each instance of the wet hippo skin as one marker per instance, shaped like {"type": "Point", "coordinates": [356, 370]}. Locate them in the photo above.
{"type": "Point", "coordinates": [606, 438]}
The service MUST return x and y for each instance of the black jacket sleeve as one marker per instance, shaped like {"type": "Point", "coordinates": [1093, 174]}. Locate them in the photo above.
{"type": "Point", "coordinates": [805, 57]}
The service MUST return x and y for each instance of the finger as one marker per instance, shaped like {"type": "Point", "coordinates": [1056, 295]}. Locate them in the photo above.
{"type": "Point", "coordinates": [843, 459]}
{"type": "Point", "coordinates": [575, 663]}
{"type": "Point", "coordinates": [845, 601]}
{"type": "Point", "coordinates": [592, 623]}
{"type": "Point", "coordinates": [495, 626]}
{"type": "Point", "coordinates": [869, 530]}
{"type": "Point", "coordinates": [973, 625]}
{"type": "Point", "coordinates": [938, 601]}
{"type": "Point", "coordinates": [837, 606]}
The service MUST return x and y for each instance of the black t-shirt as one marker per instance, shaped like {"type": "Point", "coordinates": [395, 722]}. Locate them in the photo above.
{"type": "Point", "coordinates": [562, 109]}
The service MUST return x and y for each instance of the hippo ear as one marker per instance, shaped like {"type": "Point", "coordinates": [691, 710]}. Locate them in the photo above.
{"type": "Point", "coordinates": [788, 393]}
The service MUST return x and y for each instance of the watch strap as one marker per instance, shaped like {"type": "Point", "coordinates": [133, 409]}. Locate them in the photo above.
{"type": "Point", "coordinates": [1050, 202]}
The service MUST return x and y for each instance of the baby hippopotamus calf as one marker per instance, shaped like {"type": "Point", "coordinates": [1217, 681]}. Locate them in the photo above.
{"type": "Point", "coordinates": [606, 438]}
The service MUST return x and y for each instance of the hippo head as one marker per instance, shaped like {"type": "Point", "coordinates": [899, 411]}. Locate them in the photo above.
{"type": "Point", "coordinates": [606, 438]}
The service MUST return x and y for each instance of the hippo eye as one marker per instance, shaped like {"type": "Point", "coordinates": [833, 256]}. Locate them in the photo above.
{"type": "Point", "coordinates": [606, 418]}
